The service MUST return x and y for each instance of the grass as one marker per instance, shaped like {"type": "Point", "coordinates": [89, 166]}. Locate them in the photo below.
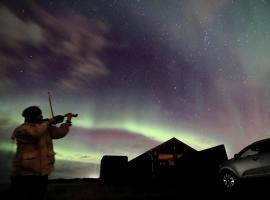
{"type": "Point", "coordinates": [93, 189]}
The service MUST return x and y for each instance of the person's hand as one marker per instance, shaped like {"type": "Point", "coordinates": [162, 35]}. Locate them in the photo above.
{"type": "Point", "coordinates": [59, 119]}
{"type": "Point", "coordinates": [69, 116]}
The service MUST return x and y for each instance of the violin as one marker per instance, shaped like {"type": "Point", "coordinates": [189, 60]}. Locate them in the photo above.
{"type": "Point", "coordinates": [60, 118]}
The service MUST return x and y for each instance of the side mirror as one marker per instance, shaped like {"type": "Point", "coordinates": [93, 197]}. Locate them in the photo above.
{"type": "Point", "coordinates": [236, 156]}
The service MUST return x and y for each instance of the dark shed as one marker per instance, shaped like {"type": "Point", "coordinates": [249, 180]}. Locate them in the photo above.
{"type": "Point", "coordinates": [113, 168]}
{"type": "Point", "coordinates": [160, 162]}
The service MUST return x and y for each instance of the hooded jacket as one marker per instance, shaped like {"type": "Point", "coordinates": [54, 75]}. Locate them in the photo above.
{"type": "Point", "coordinates": [35, 154]}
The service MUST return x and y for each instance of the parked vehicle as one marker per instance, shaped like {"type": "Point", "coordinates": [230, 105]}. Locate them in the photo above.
{"type": "Point", "coordinates": [251, 162]}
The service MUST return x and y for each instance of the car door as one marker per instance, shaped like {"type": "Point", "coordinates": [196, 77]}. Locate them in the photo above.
{"type": "Point", "coordinates": [249, 163]}
{"type": "Point", "coordinates": [265, 158]}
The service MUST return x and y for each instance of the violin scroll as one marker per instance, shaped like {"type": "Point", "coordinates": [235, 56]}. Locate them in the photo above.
{"type": "Point", "coordinates": [71, 114]}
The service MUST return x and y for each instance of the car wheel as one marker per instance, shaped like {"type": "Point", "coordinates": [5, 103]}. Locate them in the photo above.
{"type": "Point", "coordinates": [228, 180]}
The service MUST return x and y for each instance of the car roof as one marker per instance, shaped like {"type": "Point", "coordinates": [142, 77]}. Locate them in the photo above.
{"type": "Point", "coordinates": [264, 141]}
{"type": "Point", "coordinates": [259, 142]}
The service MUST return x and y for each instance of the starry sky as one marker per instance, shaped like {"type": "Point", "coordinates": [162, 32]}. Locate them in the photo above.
{"type": "Point", "coordinates": [138, 73]}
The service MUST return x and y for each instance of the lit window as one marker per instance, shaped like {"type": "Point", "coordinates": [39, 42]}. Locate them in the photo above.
{"type": "Point", "coordinates": [164, 156]}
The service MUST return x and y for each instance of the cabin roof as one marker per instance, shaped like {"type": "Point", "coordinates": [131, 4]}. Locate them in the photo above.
{"type": "Point", "coordinates": [169, 142]}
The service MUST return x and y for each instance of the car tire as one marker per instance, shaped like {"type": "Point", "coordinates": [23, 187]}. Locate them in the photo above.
{"type": "Point", "coordinates": [229, 180]}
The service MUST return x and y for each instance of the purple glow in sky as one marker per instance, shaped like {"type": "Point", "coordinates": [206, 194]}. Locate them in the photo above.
{"type": "Point", "coordinates": [138, 73]}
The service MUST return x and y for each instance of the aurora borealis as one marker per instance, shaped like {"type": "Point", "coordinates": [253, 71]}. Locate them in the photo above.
{"type": "Point", "coordinates": [138, 73]}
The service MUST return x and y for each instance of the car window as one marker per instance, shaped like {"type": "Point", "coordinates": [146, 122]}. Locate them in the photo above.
{"type": "Point", "coordinates": [265, 149]}
{"type": "Point", "coordinates": [249, 152]}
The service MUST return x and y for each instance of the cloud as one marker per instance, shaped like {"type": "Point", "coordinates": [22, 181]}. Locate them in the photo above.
{"type": "Point", "coordinates": [5, 82]}
{"type": "Point", "coordinates": [80, 41]}
{"type": "Point", "coordinates": [68, 169]}
{"type": "Point", "coordinates": [63, 169]}
{"type": "Point", "coordinates": [109, 141]}
{"type": "Point", "coordinates": [205, 12]}
{"type": "Point", "coordinates": [63, 49]}
{"type": "Point", "coordinates": [15, 32]}
{"type": "Point", "coordinates": [7, 125]}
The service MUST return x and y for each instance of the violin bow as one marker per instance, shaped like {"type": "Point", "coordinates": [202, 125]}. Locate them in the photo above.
{"type": "Point", "coordinates": [50, 102]}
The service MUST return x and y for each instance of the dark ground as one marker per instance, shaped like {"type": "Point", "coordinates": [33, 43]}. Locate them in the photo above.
{"type": "Point", "coordinates": [93, 189]}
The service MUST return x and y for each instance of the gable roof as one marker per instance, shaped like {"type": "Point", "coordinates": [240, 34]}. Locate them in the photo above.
{"type": "Point", "coordinates": [171, 142]}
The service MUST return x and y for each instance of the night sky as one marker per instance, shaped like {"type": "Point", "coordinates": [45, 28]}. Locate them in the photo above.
{"type": "Point", "coordinates": [138, 73]}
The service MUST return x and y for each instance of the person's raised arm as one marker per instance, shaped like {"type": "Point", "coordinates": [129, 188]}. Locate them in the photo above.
{"type": "Point", "coordinates": [63, 129]}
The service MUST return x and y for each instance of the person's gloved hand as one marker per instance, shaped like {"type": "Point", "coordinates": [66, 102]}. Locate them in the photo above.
{"type": "Point", "coordinates": [59, 119]}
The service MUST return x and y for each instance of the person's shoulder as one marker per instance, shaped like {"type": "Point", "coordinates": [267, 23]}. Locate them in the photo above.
{"type": "Point", "coordinates": [19, 129]}
{"type": "Point", "coordinates": [20, 126]}
{"type": "Point", "coordinates": [27, 125]}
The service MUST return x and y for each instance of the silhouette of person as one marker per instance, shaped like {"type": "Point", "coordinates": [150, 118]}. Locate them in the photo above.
{"type": "Point", "coordinates": [34, 158]}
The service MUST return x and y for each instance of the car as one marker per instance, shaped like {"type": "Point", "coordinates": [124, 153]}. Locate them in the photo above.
{"type": "Point", "coordinates": [252, 161]}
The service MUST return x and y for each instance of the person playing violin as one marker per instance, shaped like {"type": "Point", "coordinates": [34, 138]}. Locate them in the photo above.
{"type": "Point", "coordinates": [34, 158]}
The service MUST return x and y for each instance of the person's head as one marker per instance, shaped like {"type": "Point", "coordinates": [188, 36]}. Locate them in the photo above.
{"type": "Point", "coordinates": [32, 114]}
